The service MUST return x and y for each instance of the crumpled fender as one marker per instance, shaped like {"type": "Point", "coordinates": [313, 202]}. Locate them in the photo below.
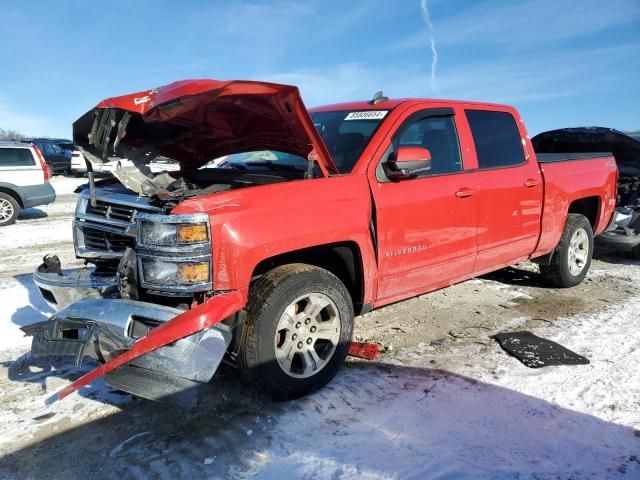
{"type": "Point", "coordinates": [197, 318]}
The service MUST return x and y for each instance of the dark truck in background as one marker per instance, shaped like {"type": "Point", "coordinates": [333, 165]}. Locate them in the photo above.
{"type": "Point", "coordinates": [623, 234]}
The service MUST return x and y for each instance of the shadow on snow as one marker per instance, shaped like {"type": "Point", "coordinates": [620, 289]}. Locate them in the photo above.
{"type": "Point", "coordinates": [374, 420]}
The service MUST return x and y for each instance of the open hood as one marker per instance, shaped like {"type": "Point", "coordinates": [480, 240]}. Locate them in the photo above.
{"type": "Point", "coordinates": [196, 121]}
{"type": "Point", "coordinates": [625, 148]}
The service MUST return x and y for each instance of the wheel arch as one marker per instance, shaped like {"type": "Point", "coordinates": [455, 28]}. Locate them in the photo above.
{"type": "Point", "coordinates": [13, 193]}
{"type": "Point", "coordinates": [343, 259]}
{"type": "Point", "coordinates": [588, 207]}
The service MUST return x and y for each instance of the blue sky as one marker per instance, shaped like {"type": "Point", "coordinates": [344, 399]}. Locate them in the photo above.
{"type": "Point", "coordinates": [561, 62]}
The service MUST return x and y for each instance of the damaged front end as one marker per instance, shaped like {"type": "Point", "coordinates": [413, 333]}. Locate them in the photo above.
{"type": "Point", "coordinates": [161, 280]}
{"type": "Point", "coordinates": [155, 352]}
{"type": "Point", "coordinates": [194, 122]}
{"type": "Point", "coordinates": [145, 306]}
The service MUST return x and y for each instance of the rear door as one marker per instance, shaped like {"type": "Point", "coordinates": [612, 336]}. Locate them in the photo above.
{"type": "Point", "coordinates": [19, 167]}
{"type": "Point", "coordinates": [426, 226]}
{"type": "Point", "coordinates": [510, 188]}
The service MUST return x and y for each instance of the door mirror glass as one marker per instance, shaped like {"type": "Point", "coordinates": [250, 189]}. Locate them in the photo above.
{"type": "Point", "coordinates": [408, 162]}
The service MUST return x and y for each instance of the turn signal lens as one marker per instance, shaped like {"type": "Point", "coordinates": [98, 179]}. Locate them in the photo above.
{"type": "Point", "coordinates": [194, 233]}
{"type": "Point", "coordinates": [193, 272]}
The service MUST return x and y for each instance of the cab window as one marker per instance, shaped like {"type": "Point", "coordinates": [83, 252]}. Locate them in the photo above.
{"type": "Point", "coordinates": [496, 137]}
{"type": "Point", "coordinates": [438, 135]}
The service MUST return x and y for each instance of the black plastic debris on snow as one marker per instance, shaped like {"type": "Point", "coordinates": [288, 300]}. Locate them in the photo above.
{"type": "Point", "coordinates": [536, 352]}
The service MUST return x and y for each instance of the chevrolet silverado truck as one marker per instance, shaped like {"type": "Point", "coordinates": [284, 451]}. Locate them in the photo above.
{"type": "Point", "coordinates": [284, 223]}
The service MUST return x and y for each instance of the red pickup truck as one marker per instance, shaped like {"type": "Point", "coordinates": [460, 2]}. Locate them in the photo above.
{"type": "Point", "coordinates": [283, 224]}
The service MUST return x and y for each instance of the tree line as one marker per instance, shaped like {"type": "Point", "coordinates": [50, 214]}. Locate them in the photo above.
{"type": "Point", "coordinates": [10, 134]}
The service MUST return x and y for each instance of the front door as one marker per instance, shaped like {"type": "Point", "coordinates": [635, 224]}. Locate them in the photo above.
{"type": "Point", "coordinates": [426, 225]}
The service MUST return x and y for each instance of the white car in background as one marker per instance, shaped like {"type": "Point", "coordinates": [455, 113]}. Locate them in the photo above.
{"type": "Point", "coordinates": [24, 180]}
{"type": "Point", "coordinates": [164, 164]}
{"type": "Point", "coordinates": [78, 165]}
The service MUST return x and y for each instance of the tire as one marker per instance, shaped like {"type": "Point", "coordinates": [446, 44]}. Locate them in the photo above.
{"type": "Point", "coordinates": [276, 348]}
{"type": "Point", "coordinates": [9, 209]}
{"type": "Point", "coordinates": [572, 257]}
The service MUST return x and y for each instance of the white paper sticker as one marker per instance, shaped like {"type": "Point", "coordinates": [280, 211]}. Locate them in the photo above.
{"type": "Point", "coordinates": [367, 115]}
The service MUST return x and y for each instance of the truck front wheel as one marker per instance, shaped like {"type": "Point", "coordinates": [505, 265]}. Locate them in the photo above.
{"type": "Point", "coordinates": [299, 326]}
{"type": "Point", "coordinates": [572, 257]}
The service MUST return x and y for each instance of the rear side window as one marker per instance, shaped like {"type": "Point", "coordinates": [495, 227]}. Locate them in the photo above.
{"type": "Point", "coordinates": [16, 157]}
{"type": "Point", "coordinates": [52, 148]}
{"type": "Point", "coordinates": [496, 137]}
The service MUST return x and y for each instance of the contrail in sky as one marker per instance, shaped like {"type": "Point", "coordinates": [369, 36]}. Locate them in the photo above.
{"type": "Point", "coordinates": [426, 16]}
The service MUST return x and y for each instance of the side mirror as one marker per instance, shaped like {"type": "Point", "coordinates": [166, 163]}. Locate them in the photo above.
{"type": "Point", "coordinates": [408, 162]}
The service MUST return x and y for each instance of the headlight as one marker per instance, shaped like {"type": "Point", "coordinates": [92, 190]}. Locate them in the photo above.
{"type": "Point", "coordinates": [196, 233]}
{"type": "Point", "coordinates": [160, 234]}
{"type": "Point", "coordinates": [157, 231]}
{"type": "Point", "coordinates": [81, 206]}
{"type": "Point", "coordinates": [169, 233]}
{"type": "Point", "coordinates": [175, 272]}
{"type": "Point", "coordinates": [174, 252]}
{"type": "Point", "coordinates": [623, 217]}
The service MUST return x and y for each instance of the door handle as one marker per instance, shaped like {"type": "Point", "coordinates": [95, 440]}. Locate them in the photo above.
{"type": "Point", "coordinates": [530, 183]}
{"type": "Point", "coordinates": [465, 192]}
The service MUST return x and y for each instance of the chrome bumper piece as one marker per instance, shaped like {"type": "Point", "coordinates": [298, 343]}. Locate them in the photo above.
{"type": "Point", "coordinates": [60, 291]}
{"type": "Point", "coordinates": [103, 328]}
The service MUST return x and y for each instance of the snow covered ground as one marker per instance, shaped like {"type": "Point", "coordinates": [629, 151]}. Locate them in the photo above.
{"type": "Point", "coordinates": [455, 409]}
{"type": "Point", "coordinates": [66, 185]}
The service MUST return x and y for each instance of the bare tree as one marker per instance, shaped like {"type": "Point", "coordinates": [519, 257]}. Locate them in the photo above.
{"type": "Point", "coordinates": [10, 134]}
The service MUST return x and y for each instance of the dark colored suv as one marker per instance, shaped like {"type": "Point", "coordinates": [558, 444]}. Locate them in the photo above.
{"type": "Point", "coordinates": [57, 158]}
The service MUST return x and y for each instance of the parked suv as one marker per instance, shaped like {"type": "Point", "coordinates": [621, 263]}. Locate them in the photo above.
{"type": "Point", "coordinates": [57, 159]}
{"type": "Point", "coordinates": [24, 180]}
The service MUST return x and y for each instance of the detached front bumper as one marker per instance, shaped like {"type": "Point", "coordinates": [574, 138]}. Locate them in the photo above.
{"type": "Point", "coordinates": [62, 289]}
{"type": "Point", "coordinates": [106, 328]}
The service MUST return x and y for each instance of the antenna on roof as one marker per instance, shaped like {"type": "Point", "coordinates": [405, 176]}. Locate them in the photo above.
{"type": "Point", "coordinates": [378, 97]}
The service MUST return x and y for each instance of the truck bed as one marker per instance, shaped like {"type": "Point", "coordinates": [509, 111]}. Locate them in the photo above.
{"type": "Point", "coordinates": [590, 176]}
{"type": "Point", "coordinates": [569, 157]}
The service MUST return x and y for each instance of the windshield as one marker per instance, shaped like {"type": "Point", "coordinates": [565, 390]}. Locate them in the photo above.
{"type": "Point", "coordinates": [262, 160]}
{"type": "Point", "coordinates": [347, 133]}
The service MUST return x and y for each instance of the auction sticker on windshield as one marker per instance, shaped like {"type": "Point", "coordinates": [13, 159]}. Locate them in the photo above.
{"type": "Point", "coordinates": [367, 115]}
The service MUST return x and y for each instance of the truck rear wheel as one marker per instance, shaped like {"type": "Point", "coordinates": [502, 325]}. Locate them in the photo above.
{"type": "Point", "coordinates": [572, 257]}
{"type": "Point", "coordinates": [299, 326]}
{"type": "Point", "coordinates": [9, 209]}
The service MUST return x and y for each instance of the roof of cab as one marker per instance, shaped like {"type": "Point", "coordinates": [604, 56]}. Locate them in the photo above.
{"type": "Point", "coordinates": [395, 102]}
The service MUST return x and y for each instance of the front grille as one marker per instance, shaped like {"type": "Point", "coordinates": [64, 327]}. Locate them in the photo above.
{"type": "Point", "coordinates": [100, 240]}
{"type": "Point", "coordinates": [104, 231]}
{"type": "Point", "coordinates": [115, 212]}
